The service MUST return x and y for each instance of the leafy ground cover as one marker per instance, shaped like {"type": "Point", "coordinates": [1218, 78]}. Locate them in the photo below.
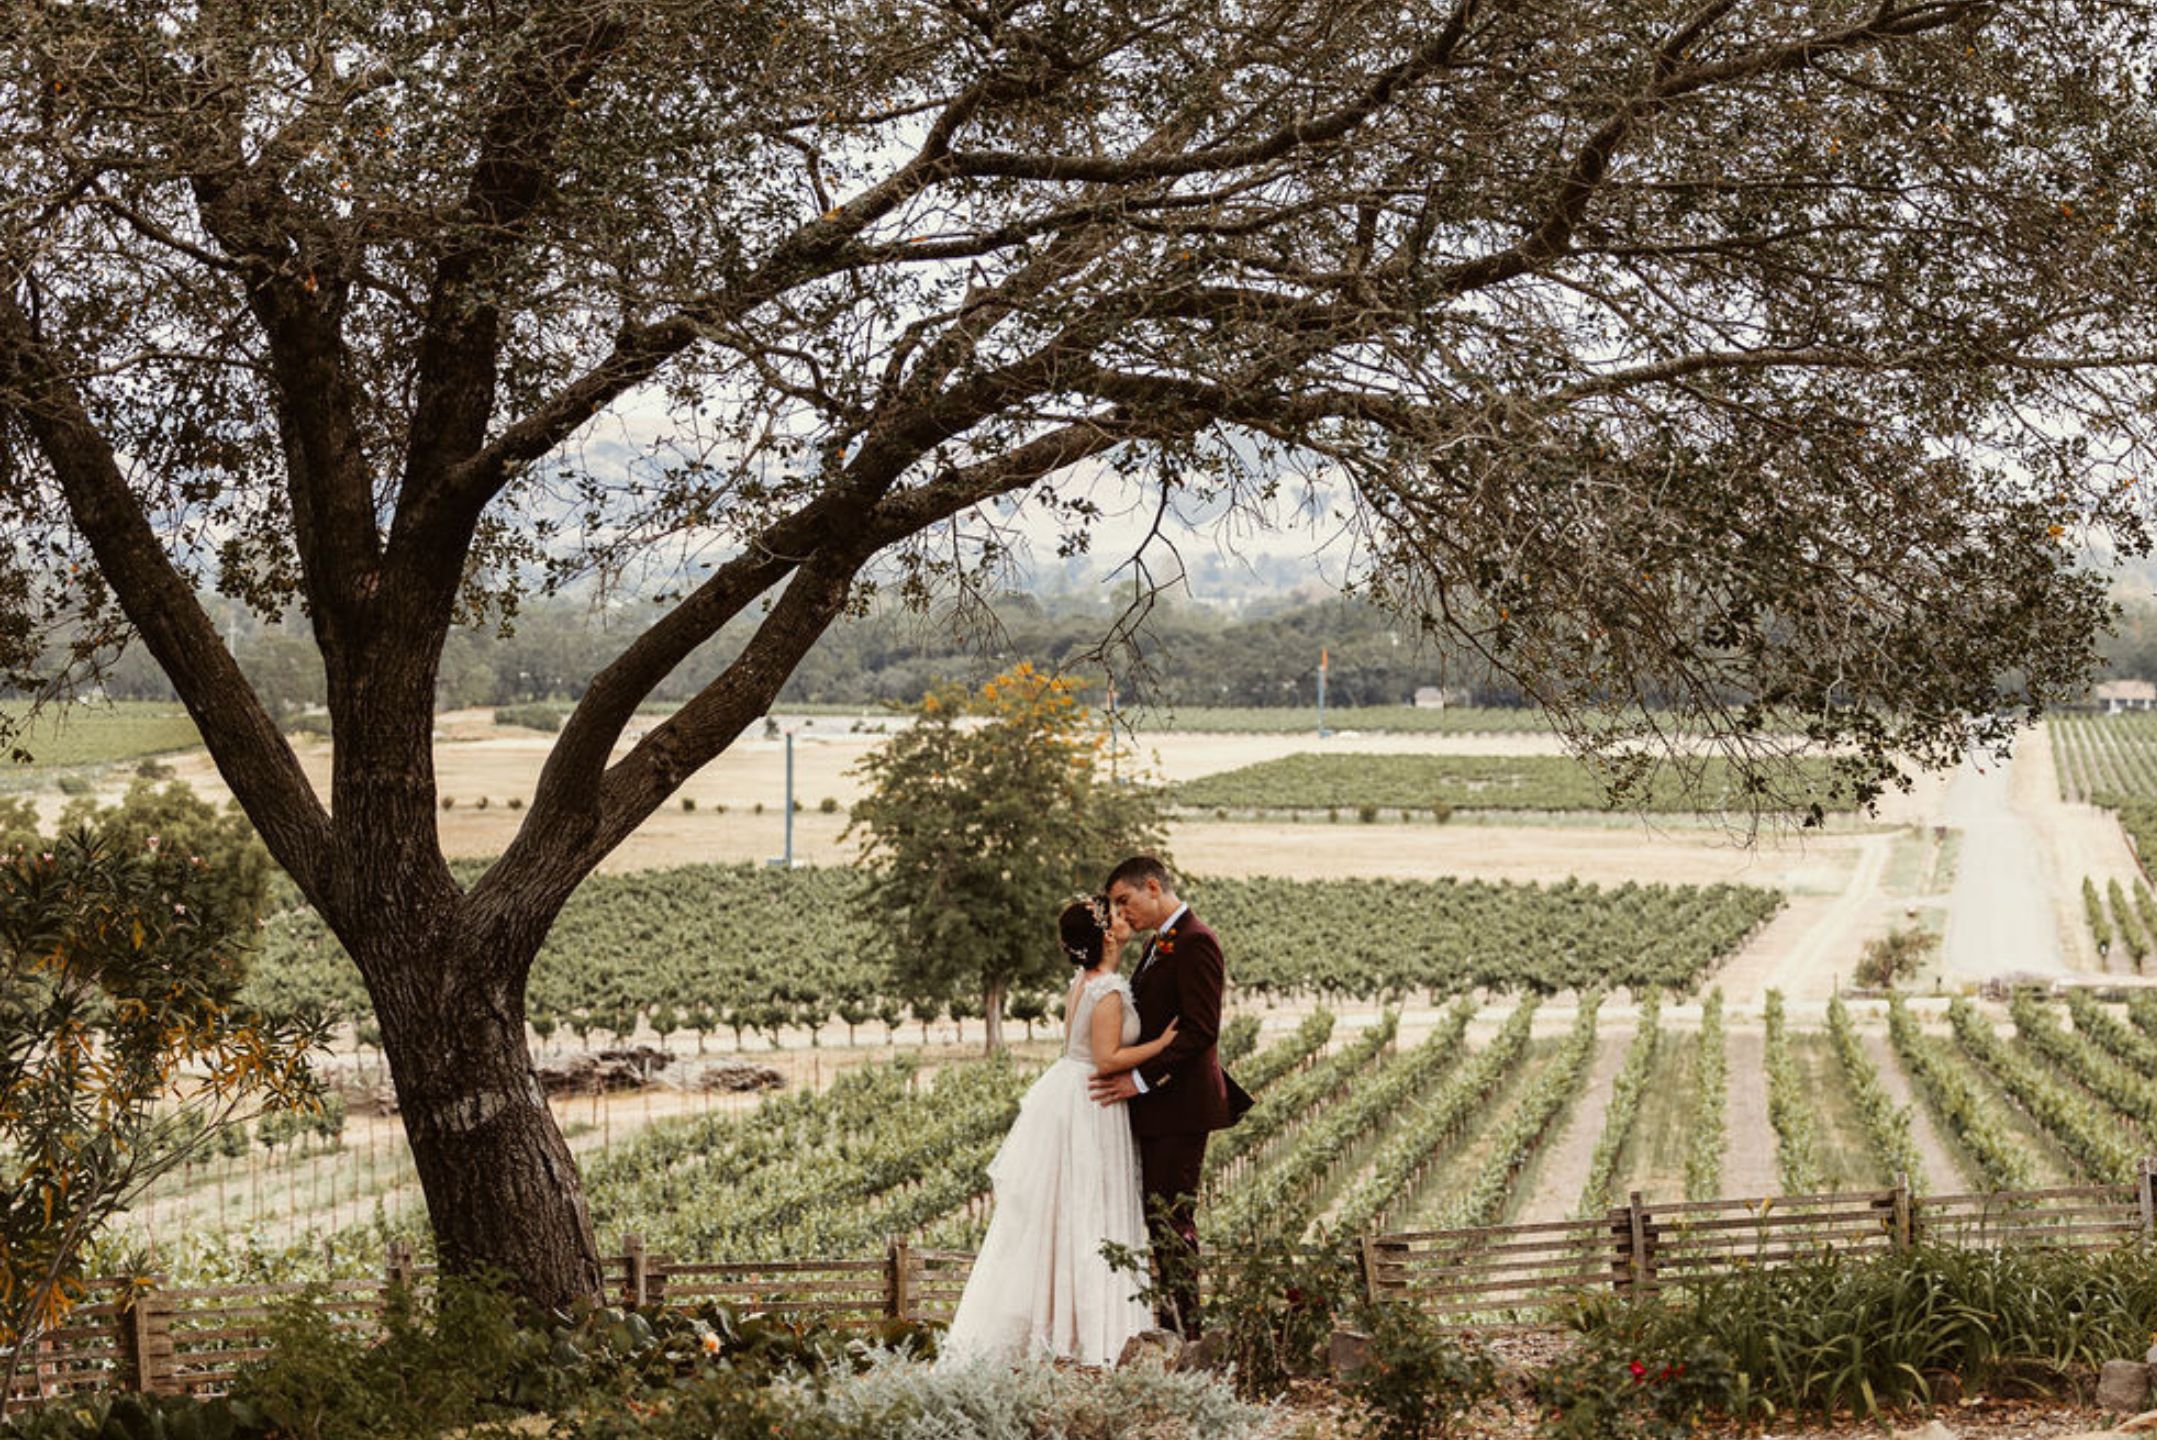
{"type": "Point", "coordinates": [1443, 783]}
{"type": "Point", "coordinates": [69, 735]}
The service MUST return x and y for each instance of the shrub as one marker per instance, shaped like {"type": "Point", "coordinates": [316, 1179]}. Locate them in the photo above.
{"type": "Point", "coordinates": [1894, 957]}
{"type": "Point", "coordinates": [1441, 810]}
{"type": "Point", "coordinates": [480, 803]}
{"type": "Point", "coordinates": [689, 804]}
{"type": "Point", "coordinates": [515, 802]}
{"type": "Point", "coordinates": [1367, 813]}
{"type": "Point", "coordinates": [310, 724]}
{"type": "Point", "coordinates": [76, 785]}
{"type": "Point", "coordinates": [828, 806]}
{"type": "Point", "coordinates": [449, 802]}
{"type": "Point", "coordinates": [1419, 1383]}
{"type": "Point", "coordinates": [538, 716]}
{"type": "Point", "coordinates": [154, 770]}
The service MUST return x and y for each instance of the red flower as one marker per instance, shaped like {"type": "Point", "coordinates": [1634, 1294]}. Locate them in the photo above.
{"type": "Point", "coordinates": [1640, 1372]}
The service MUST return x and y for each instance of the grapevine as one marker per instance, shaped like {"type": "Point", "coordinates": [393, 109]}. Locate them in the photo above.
{"type": "Point", "coordinates": [1277, 1200]}
{"type": "Point", "coordinates": [1286, 1056]}
{"type": "Point", "coordinates": [1624, 1109]}
{"type": "Point", "coordinates": [2084, 1061]}
{"type": "Point", "coordinates": [2105, 1028]}
{"type": "Point", "coordinates": [1959, 1105]}
{"type": "Point", "coordinates": [1527, 1125]}
{"type": "Point", "coordinates": [2084, 1131]}
{"type": "Point", "coordinates": [1791, 1108]}
{"type": "Point", "coordinates": [1414, 1142]}
{"type": "Point", "coordinates": [1284, 1108]}
{"type": "Point", "coordinates": [1886, 1124]}
{"type": "Point", "coordinates": [1704, 1153]}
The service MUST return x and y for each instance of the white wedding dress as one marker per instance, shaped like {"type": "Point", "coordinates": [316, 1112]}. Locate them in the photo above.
{"type": "Point", "coordinates": [1066, 1179]}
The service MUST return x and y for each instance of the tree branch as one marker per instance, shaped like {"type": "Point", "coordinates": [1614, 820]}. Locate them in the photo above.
{"type": "Point", "coordinates": [251, 755]}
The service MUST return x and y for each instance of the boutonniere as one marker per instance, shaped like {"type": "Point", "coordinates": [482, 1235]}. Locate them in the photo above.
{"type": "Point", "coordinates": [1165, 943]}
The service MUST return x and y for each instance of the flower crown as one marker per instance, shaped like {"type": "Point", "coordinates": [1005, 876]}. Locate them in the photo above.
{"type": "Point", "coordinates": [1096, 906]}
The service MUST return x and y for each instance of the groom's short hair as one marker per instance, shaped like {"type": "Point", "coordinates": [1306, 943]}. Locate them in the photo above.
{"type": "Point", "coordinates": [1137, 871]}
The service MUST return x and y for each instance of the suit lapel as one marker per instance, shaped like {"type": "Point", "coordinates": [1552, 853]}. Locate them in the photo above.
{"type": "Point", "coordinates": [1153, 946]}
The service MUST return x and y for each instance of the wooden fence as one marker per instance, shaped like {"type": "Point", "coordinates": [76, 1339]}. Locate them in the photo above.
{"type": "Point", "coordinates": [143, 1336]}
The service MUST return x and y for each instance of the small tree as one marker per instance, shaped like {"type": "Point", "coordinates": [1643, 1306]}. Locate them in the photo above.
{"type": "Point", "coordinates": [122, 1052]}
{"type": "Point", "coordinates": [980, 820]}
{"type": "Point", "coordinates": [236, 870]}
{"type": "Point", "coordinates": [1895, 957]}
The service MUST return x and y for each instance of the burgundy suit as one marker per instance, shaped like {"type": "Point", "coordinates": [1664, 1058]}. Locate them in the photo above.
{"type": "Point", "coordinates": [1181, 977]}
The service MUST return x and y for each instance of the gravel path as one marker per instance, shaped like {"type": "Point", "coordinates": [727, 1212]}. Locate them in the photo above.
{"type": "Point", "coordinates": [1749, 1156]}
{"type": "Point", "coordinates": [2001, 914]}
{"type": "Point", "coordinates": [1563, 1167]}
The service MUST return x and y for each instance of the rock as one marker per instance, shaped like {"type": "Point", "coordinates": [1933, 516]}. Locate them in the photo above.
{"type": "Point", "coordinates": [739, 1075]}
{"type": "Point", "coordinates": [2123, 1386]}
{"type": "Point", "coordinates": [2146, 1421]}
{"type": "Point", "coordinates": [1158, 1348]}
{"type": "Point", "coordinates": [1347, 1352]}
{"type": "Point", "coordinates": [1930, 1430]}
{"type": "Point", "coordinates": [1208, 1352]}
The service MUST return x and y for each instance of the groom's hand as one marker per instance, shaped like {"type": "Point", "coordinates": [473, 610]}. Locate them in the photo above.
{"type": "Point", "coordinates": [1112, 1089]}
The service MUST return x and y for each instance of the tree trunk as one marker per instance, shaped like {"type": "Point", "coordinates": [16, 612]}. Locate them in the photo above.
{"type": "Point", "coordinates": [992, 1015]}
{"type": "Point", "coordinates": [502, 1189]}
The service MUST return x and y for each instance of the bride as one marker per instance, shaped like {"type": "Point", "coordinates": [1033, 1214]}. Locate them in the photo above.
{"type": "Point", "coordinates": [1066, 1180]}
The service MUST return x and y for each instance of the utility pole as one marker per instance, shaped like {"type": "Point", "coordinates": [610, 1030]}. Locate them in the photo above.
{"type": "Point", "coordinates": [786, 860]}
{"type": "Point", "coordinates": [1323, 732]}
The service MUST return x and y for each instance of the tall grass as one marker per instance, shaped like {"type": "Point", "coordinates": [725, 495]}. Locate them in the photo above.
{"type": "Point", "coordinates": [1836, 1332]}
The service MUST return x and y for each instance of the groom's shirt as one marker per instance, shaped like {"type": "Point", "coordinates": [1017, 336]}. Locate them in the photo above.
{"type": "Point", "coordinates": [1166, 926]}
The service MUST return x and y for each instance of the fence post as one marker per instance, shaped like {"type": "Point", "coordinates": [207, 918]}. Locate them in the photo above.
{"type": "Point", "coordinates": [1905, 1234]}
{"type": "Point", "coordinates": [898, 1280]}
{"type": "Point", "coordinates": [633, 1286]}
{"type": "Point", "coordinates": [399, 1267]}
{"type": "Point", "coordinates": [2144, 1179]}
{"type": "Point", "coordinates": [1643, 1262]}
{"type": "Point", "coordinates": [146, 1342]}
{"type": "Point", "coordinates": [1370, 1269]}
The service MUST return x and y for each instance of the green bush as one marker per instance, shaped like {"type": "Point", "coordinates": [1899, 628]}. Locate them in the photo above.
{"type": "Point", "coordinates": [1418, 1382]}
{"type": "Point", "coordinates": [1894, 957]}
{"type": "Point", "coordinates": [536, 716]}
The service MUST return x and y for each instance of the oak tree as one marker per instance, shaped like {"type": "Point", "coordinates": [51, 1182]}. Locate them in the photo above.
{"type": "Point", "coordinates": [1760, 357]}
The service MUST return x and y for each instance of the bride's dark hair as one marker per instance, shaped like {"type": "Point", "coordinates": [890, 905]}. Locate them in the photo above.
{"type": "Point", "coordinates": [1082, 930]}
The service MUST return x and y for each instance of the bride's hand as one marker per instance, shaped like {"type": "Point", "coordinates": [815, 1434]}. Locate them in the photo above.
{"type": "Point", "coordinates": [1161, 1042]}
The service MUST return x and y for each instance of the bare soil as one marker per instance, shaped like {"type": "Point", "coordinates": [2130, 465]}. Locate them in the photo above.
{"type": "Point", "coordinates": [1749, 1145]}
{"type": "Point", "coordinates": [1562, 1168]}
{"type": "Point", "coordinates": [1943, 1172]}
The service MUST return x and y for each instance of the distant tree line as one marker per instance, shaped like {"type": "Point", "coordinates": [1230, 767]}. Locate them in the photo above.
{"type": "Point", "coordinates": [2131, 652]}
{"type": "Point", "coordinates": [1180, 656]}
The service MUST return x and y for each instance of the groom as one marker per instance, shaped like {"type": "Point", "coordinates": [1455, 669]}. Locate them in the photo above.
{"type": "Point", "coordinates": [1180, 1096]}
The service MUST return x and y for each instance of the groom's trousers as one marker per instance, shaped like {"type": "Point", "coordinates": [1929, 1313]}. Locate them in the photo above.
{"type": "Point", "coordinates": [1170, 1167]}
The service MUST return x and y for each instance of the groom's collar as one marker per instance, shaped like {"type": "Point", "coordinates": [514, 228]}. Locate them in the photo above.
{"type": "Point", "coordinates": [1172, 921]}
